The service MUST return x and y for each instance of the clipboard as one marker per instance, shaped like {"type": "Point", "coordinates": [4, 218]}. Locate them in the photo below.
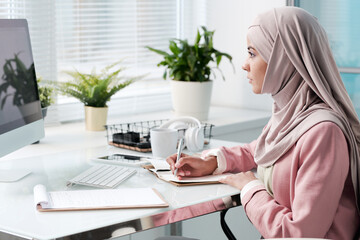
{"type": "Point", "coordinates": [98, 199]}
{"type": "Point", "coordinates": [193, 181]}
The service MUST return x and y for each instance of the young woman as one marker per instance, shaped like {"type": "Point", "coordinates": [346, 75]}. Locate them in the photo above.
{"type": "Point", "coordinates": [307, 157]}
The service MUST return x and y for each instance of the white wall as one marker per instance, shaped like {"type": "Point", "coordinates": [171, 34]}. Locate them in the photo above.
{"type": "Point", "coordinates": [230, 20]}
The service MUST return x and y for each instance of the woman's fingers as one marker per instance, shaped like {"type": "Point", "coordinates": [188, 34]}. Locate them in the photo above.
{"type": "Point", "coordinates": [191, 165]}
{"type": "Point", "coordinates": [239, 180]}
{"type": "Point", "coordinates": [171, 161]}
{"type": "Point", "coordinates": [185, 160]}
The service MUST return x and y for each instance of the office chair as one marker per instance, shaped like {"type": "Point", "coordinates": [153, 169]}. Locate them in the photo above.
{"type": "Point", "coordinates": [225, 227]}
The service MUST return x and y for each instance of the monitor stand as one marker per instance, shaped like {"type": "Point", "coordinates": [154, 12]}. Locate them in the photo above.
{"type": "Point", "coordinates": [10, 175]}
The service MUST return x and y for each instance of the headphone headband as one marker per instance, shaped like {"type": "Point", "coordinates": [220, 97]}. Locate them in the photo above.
{"type": "Point", "coordinates": [194, 136]}
{"type": "Point", "coordinates": [186, 119]}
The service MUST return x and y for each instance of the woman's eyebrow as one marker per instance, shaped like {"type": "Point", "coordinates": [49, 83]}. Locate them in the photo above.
{"type": "Point", "coordinates": [250, 47]}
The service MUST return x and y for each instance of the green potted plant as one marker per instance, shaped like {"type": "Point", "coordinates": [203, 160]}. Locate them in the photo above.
{"type": "Point", "coordinates": [45, 95]}
{"type": "Point", "coordinates": [95, 90]}
{"type": "Point", "coordinates": [189, 68]}
{"type": "Point", "coordinates": [17, 79]}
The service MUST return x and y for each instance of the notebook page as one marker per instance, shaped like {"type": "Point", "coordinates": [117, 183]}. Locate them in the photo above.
{"type": "Point", "coordinates": [168, 176]}
{"type": "Point", "coordinates": [103, 198]}
{"type": "Point", "coordinates": [159, 164]}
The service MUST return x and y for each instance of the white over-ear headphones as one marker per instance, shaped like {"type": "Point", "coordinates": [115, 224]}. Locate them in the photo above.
{"type": "Point", "coordinates": [193, 137]}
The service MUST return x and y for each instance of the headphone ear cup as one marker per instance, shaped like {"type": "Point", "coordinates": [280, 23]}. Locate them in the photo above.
{"type": "Point", "coordinates": [199, 138]}
{"type": "Point", "coordinates": [188, 139]}
{"type": "Point", "coordinates": [194, 139]}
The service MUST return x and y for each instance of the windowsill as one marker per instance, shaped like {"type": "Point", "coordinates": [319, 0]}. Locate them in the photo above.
{"type": "Point", "coordinates": [73, 136]}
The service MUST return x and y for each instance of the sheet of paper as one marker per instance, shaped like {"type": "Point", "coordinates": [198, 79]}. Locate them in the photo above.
{"type": "Point", "coordinates": [102, 198]}
{"type": "Point", "coordinates": [168, 176]}
{"type": "Point", "coordinates": [40, 195]}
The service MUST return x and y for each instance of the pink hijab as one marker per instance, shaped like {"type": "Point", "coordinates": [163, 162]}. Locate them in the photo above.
{"type": "Point", "coordinates": [305, 83]}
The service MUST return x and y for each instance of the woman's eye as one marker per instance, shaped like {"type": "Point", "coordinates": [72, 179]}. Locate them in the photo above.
{"type": "Point", "coordinates": [251, 54]}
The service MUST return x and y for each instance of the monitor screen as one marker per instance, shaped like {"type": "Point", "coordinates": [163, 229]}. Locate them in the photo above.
{"type": "Point", "coordinates": [21, 121]}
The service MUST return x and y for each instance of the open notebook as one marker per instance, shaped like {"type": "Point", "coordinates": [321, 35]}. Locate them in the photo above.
{"type": "Point", "coordinates": [162, 170]}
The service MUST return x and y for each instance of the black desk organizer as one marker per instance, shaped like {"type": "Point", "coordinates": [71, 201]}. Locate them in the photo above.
{"type": "Point", "coordinates": [136, 135]}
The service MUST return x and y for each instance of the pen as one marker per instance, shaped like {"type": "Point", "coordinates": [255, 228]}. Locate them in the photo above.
{"type": "Point", "coordinates": [179, 153]}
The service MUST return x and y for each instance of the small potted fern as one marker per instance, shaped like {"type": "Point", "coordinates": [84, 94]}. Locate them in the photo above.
{"type": "Point", "coordinates": [45, 95]}
{"type": "Point", "coordinates": [189, 68]}
{"type": "Point", "coordinates": [95, 90]}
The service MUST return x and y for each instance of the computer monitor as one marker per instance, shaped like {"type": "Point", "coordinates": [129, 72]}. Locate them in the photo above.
{"type": "Point", "coordinates": [21, 121]}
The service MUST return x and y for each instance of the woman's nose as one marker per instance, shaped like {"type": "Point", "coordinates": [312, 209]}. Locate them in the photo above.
{"type": "Point", "coordinates": [245, 66]}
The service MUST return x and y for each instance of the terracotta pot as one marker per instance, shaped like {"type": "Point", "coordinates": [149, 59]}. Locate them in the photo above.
{"type": "Point", "coordinates": [191, 98]}
{"type": "Point", "coordinates": [95, 118]}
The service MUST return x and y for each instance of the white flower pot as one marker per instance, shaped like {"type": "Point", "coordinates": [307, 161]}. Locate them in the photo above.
{"type": "Point", "coordinates": [95, 118]}
{"type": "Point", "coordinates": [191, 98]}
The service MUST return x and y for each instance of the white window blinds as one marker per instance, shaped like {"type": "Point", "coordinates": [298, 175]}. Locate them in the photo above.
{"type": "Point", "coordinates": [41, 20]}
{"type": "Point", "coordinates": [96, 33]}
{"type": "Point", "coordinates": [83, 34]}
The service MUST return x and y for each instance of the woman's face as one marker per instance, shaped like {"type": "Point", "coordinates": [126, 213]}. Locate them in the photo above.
{"type": "Point", "coordinates": [256, 68]}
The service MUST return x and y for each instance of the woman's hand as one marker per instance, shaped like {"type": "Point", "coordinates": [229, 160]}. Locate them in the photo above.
{"type": "Point", "coordinates": [191, 166]}
{"type": "Point", "coordinates": [239, 180]}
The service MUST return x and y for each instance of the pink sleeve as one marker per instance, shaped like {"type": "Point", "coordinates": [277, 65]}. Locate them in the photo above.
{"type": "Point", "coordinates": [239, 158]}
{"type": "Point", "coordinates": [315, 192]}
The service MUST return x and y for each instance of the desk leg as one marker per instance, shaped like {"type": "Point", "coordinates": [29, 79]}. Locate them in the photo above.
{"type": "Point", "coordinates": [176, 229]}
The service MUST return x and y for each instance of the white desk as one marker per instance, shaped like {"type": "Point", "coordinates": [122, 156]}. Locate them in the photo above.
{"type": "Point", "coordinates": [19, 217]}
{"type": "Point", "coordinates": [67, 149]}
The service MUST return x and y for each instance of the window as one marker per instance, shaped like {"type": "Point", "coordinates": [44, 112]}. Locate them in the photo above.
{"type": "Point", "coordinates": [40, 16]}
{"type": "Point", "coordinates": [87, 34]}
{"type": "Point", "coordinates": [341, 20]}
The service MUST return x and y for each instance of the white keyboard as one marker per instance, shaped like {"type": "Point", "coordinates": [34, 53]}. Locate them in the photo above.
{"type": "Point", "coordinates": [103, 176]}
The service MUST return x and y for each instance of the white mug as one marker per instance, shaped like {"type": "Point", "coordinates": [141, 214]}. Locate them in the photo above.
{"type": "Point", "coordinates": [163, 142]}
